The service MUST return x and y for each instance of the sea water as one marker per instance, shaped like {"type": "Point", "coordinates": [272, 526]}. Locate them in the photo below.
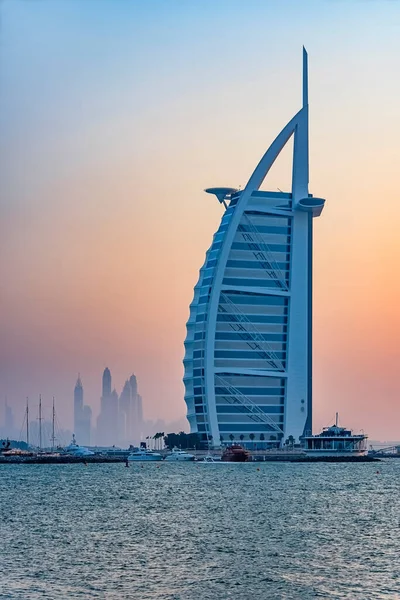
{"type": "Point", "coordinates": [191, 532]}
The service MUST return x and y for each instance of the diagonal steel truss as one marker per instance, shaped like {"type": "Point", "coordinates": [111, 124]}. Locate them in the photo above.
{"type": "Point", "coordinates": [252, 409]}
{"type": "Point", "coordinates": [248, 332]}
{"type": "Point", "coordinates": [262, 252]}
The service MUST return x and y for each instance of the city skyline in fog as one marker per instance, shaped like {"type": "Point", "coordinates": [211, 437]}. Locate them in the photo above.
{"type": "Point", "coordinates": [13, 424]}
{"type": "Point", "coordinates": [115, 116]}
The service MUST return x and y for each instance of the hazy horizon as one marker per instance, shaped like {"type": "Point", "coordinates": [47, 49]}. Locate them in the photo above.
{"type": "Point", "coordinates": [115, 116]}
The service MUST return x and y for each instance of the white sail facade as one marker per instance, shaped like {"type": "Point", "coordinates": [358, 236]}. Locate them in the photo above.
{"type": "Point", "coordinates": [248, 359]}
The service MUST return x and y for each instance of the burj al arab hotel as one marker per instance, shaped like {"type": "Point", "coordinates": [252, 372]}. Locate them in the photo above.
{"type": "Point", "coordinates": [248, 349]}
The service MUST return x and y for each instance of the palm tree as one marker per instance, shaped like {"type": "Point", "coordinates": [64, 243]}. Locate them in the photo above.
{"type": "Point", "coordinates": [221, 438]}
{"type": "Point", "coordinates": [252, 436]}
{"type": "Point", "coordinates": [241, 436]}
{"type": "Point", "coordinates": [262, 437]}
{"type": "Point", "coordinates": [231, 437]}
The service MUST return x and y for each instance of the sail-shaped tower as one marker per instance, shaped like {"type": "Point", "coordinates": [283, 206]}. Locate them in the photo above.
{"type": "Point", "coordinates": [248, 349]}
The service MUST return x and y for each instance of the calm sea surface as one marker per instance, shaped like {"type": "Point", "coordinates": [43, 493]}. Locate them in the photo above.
{"type": "Point", "coordinates": [193, 532]}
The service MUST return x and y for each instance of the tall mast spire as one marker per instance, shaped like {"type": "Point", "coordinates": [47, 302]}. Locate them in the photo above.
{"type": "Point", "coordinates": [300, 146]}
{"type": "Point", "coordinates": [40, 422]}
{"type": "Point", "coordinates": [27, 421]}
{"type": "Point", "coordinates": [305, 109]}
{"type": "Point", "coordinates": [52, 429]}
{"type": "Point", "coordinates": [305, 77]}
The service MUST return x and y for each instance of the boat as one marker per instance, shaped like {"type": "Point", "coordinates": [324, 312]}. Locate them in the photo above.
{"type": "Point", "coordinates": [335, 441]}
{"type": "Point", "coordinates": [75, 450]}
{"type": "Point", "coordinates": [143, 454]}
{"type": "Point", "coordinates": [210, 459]}
{"type": "Point", "coordinates": [235, 453]}
{"type": "Point", "coordinates": [180, 455]}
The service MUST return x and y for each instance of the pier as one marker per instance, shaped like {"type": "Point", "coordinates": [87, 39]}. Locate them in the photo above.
{"type": "Point", "coordinates": [286, 455]}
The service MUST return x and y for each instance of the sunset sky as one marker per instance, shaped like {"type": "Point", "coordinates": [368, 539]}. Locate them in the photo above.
{"type": "Point", "coordinates": [115, 115]}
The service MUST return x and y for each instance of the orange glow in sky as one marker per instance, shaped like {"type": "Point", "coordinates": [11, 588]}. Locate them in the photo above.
{"type": "Point", "coordinates": [115, 117]}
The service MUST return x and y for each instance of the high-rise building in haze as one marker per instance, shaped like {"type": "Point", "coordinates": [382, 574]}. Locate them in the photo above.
{"type": "Point", "coordinates": [82, 415]}
{"type": "Point", "coordinates": [106, 434]}
{"type": "Point", "coordinates": [78, 404]}
{"type": "Point", "coordinates": [107, 421]}
{"type": "Point", "coordinates": [113, 418]}
{"type": "Point", "coordinates": [248, 360]}
{"type": "Point", "coordinates": [130, 412]}
{"type": "Point", "coordinates": [125, 413]}
{"type": "Point", "coordinates": [106, 387]}
{"type": "Point", "coordinates": [121, 419]}
{"type": "Point", "coordinates": [135, 419]}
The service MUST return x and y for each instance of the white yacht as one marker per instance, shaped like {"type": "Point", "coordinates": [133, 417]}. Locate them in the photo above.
{"type": "Point", "coordinates": [178, 454]}
{"type": "Point", "coordinates": [143, 454]}
{"type": "Point", "coordinates": [74, 450]}
{"type": "Point", "coordinates": [210, 459]}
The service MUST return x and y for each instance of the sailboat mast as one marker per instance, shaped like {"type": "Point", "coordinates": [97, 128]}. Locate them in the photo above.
{"type": "Point", "coordinates": [40, 422]}
{"type": "Point", "coordinates": [52, 429]}
{"type": "Point", "coordinates": [27, 421]}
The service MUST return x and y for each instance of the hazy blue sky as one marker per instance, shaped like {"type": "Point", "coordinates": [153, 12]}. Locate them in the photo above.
{"type": "Point", "coordinates": [115, 115]}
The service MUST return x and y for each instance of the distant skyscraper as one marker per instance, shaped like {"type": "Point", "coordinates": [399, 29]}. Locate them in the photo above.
{"type": "Point", "coordinates": [133, 382]}
{"type": "Point", "coordinates": [82, 415]}
{"type": "Point", "coordinates": [137, 410]}
{"type": "Point", "coordinates": [107, 421]}
{"type": "Point", "coordinates": [248, 360]}
{"type": "Point", "coordinates": [130, 415]}
{"type": "Point", "coordinates": [134, 425]}
{"type": "Point", "coordinates": [120, 420]}
{"type": "Point", "coordinates": [113, 418]}
{"type": "Point", "coordinates": [125, 414]}
{"type": "Point", "coordinates": [78, 404]}
{"type": "Point", "coordinates": [106, 390]}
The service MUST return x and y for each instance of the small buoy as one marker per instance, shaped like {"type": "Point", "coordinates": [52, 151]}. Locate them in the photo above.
{"type": "Point", "coordinates": [258, 468]}
{"type": "Point", "coordinates": [377, 472]}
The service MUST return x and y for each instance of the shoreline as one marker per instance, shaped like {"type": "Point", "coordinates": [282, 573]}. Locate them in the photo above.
{"type": "Point", "coordinates": [63, 460]}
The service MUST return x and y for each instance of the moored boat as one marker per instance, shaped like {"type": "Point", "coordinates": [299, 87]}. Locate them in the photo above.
{"type": "Point", "coordinates": [179, 455]}
{"type": "Point", "coordinates": [75, 450]}
{"type": "Point", "coordinates": [143, 454]}
{"type": "Point", "coordinates": [235, 453]}
{"type": "Point", "coordinates": [210, 459]}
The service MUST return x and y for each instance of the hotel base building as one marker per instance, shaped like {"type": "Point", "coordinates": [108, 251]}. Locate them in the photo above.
{"type": "Point", "coordinates": [248, 349]}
